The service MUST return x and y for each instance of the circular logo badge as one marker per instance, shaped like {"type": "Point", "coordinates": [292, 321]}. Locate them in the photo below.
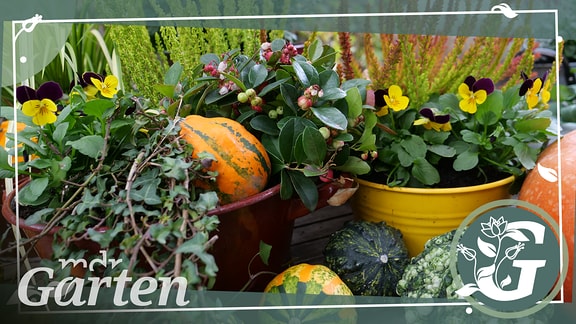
{"type": "Point", "coordinates": [508, 259]}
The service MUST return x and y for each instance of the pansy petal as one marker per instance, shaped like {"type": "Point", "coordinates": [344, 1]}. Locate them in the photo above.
{"type": "Point", "coordinates": [31, 107]}
{"type": "Point", "coordinates": [50, 90]}
{"type": "Point", "coordinates": [427, 112]}
{"type": "Point", "coordinates": [469, 81]}
{"type": "Point", "coordinates": [442, 119]}
{"type": "Point", "coordinates": [395, 91]}
{"type": "Point", "coordinates": [537, 85]}
{"type": "Point", "coordinates": [379, 98]}
{"type": "Point", "coordinates": [44, 117]}
{"type": "Point", "coordinates": [90, 90]}
{"type": "Point", "coordinates": [421, 121]}
{"type": "Point", "coordinates": [484, 84]}
{"type": "Point", "coordinates": [526, 85]}
{"type": "Point", "coordinates": [48, 104]}
{"type": "Point", "coordinates": [88, 76]}
{"type": "Point", "coordinates": [25, 93]}
{"type": "Point", "coordinates": [480, 96]}
{"type": "Point", "coordinates": [464, 91]}
{"type": "Point", "coordinates": [111, 81]}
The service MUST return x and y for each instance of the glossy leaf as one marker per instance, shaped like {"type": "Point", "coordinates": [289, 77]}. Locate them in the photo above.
{"type": "Point", "coordinates": [257, 75]}
{"type": "Point", "coordinates": [305, 188]}
{"type": "Point", "coordinates": [314, 145]}
{"type": "Point", "coordinates": [331, 117]}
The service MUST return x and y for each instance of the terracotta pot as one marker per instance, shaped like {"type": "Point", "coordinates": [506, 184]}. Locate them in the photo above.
{"type": "Point", "coordinates": [243, 225]}
{"type": "Point", "coordinates": [422, 213]}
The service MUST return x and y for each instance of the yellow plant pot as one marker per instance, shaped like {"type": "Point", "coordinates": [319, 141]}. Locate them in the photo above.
{"type": "Point", "coordinates": [421, 213]}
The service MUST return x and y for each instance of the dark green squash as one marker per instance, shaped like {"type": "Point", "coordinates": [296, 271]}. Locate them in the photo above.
{"type": "Point", "coordinates": [369, 257]}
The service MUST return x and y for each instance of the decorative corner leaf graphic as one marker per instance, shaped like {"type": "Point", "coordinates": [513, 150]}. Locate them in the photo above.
{"type": "Point", "coordinates": [505, 282]}
{"type": "Point", "coordinates": [516, 235]}
{"type": "Point", "coordinates": [488, 249]}
{"type": "Point", "coordinates": [547, 174]}
{"type": "Point", "coordinates": [467, 290]}
{"type": "Point", "coordinates": [485, 271]}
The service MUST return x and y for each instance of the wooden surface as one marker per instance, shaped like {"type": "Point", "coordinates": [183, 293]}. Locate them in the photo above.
{"type": "Point", "coordinates": [311, 233]}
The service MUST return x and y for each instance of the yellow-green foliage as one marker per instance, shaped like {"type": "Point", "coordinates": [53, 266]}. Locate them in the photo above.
{"type": "Point", "coordinates": [142, 68]}
{"type": "Point", "coordinates": [423, 65]}
{"type": "Point", "coordinates": [187, 44]}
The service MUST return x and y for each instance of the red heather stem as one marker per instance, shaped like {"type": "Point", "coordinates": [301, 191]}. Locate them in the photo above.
{"type": "Point", "coordinates": [346, 52]}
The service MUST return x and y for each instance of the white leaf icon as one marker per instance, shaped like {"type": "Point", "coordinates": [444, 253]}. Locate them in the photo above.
{"type": "Point", "coordinates": [547, 174]}
{"type": "Point", "coordinates": [505, 282]}
{"type": "Point", "coordinates": [485, 271]}
{"type": "Point", "coordinates": [467, 290]}
{"type": "Point", "coordinates": [488, 249]}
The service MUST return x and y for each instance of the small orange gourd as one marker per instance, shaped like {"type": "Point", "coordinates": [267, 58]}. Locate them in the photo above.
{"type": "Point", "coordinates": [241, 161]}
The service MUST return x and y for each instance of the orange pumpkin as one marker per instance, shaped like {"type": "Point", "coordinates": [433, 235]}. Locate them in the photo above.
{"type": "Point", "coordinates": [241, 161]}
{"type": "Point", "coordinates": [542, 193]}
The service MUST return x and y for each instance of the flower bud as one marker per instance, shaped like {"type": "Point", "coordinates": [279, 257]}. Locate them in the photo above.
{"type": "Point", "coordinates": [251, 93]}
{"type": "Point", "coordinates": [304, 102]}
{"type": "Point", "coordinates": [242, 97]}
{"type": "Point", "coordinates": [257, 101]}
{"type": "Point", "coordinates": [325, 132]}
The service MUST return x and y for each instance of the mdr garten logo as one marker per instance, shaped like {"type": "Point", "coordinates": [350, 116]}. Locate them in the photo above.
{"type": "Point", "coordinates": [507, 255]}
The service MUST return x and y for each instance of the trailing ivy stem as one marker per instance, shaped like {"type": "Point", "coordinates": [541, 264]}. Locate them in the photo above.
{"type": "Point", "coordinates": [178, 259]}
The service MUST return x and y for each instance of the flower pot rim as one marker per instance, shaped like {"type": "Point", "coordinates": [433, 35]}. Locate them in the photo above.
{"type": "Point", "coordinates": [438, 191]}
{"type": "Point", "coordinates": [248, 201]}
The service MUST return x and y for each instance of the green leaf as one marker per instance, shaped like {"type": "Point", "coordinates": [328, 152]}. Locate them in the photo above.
{"type": "Point", "coordinates": [160, 232]}
{"type": "Point", "coordinates": [299, 150]}
{"type": "Point", "coordinates": [333, 94]}
{"type": "Point", "coordinates": [466, 161]}
{"type": "Point", "coordinates": [288, 137]}
{"type": "Point", "coordinates": [442, 150]}
{"type": "Point", "coordinates": [471, 137]}
{"type": "Point", "coordinates": [257, 75]}
{"type": "Point", "coordinates": [206, 202]}
{"type": "Point", "coordinates": [145, 188]}
{"type": "Point", "coordinates": [37, 216]}
{"type": "Point", "coordinates": [104, 238]}
{"type": "Point", "coordinates": [329, 79]}
{"type": "Point", "coordinates": [425, 172]}
{"type": "Point", "coordinates": [306, 73]}
{"type": "Point", "coordinates": [314, 145]}
{"type": "Point", "coordinates": [4, 164]}
{"type": "Point", "coordinates": [264, 251]}
{"type": "Point", "coordinates": [490, 111]}
{"type": "Point", "coordinates": [91, 145]}
{"type": "Point", "coordinates": [210, 58]}
{"type": "Point", "coordinates": [315, 50]}
{"type": "Point", "coordinates": [97, 107]}
{"type": "Point", "coordinates": [271, 86]}
{"type": "Point", "coordinates": [173, 74]}
{"type": "Point", "coordinates": [526, 155]}
{"type": "Point", "coordinates": [415, 146]}
{"type": "Point", "coordinates": [264, 124]}
{"type": "Point", "coordinates": [305, 188]}
{"type": "Point", "coordinates": [354, 165]}
{"type": "Point", "coordinates": [290, 96]}
{"type": "Point", "coordinates": [167, 90]}
{"type": "Point", "coordinates": [535, 124]}
{"type": "Point", "coordinates": [354, 101]}
{"type": "Point", "coordinates": [331, 117]}
{"type": "Point", "coordinates": [60, 132]}
{"type": "Point", "coordinates": [286, 188]}
{"type": "Point", "coordinates": [277, 44]}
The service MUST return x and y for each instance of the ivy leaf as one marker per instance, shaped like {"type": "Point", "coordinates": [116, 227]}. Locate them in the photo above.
{"type": "Point", "coordinates": [104, 238]}
{"type": "Point", "coordinates": [88, 145]}
{"type": "Point", "coordinates": [145, 189]}
{"type": "Point", "coordinates": [264, 251]}
{"type": "Point", "coordinates": [331, 117]}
